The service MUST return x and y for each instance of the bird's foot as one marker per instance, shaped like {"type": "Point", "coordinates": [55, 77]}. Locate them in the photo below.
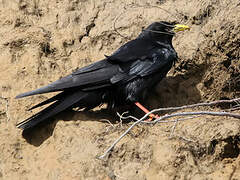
{"type": "Point", "coordinates": [152, 117]}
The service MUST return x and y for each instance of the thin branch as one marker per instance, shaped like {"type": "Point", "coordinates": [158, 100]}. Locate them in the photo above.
{"type": "Point", "coordinates": [185, 139]}
{"type": "Point", "coordinates": [234, 109]}
{"type": "Point", "coordinates": [121, 116]}
{"type": "Point", "coordinates": [237, 100]}
{"type": "Point", "coordinates": [106, 120]}
{"type": "Point", "coordinates": [116, 141]}
{"type": "Point", "coordinates": [176, 121]}
{"type": "Point", "coordinates": [130, 7]}
{"type": "Point", "coordinates": [222, 113]}
{"type": "Point", "coordinates": [173, 128]}
{"type": "Point", "coordinates": [154, 6]}
{"type": "Point", "coordinates": [170, 116]}
{"type": "Point", "coordinates": [111, 125]}
{"type": "Point", "coordinates": [114, 25]}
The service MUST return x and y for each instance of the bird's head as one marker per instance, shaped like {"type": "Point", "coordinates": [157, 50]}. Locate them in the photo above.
{"type": "Point", "coordinates": [163, 30]}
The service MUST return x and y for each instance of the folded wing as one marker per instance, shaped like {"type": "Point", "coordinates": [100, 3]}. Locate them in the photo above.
{"type": "Point", "coordinates": [94, 76]}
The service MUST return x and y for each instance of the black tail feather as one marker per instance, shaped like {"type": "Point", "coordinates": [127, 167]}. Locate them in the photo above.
{"type": "Point", "coordinates": [52, 99]}
{"type": "Point", "coordinates": [37, 91]}
{"type": "Point", "coordinates": [55, 108]}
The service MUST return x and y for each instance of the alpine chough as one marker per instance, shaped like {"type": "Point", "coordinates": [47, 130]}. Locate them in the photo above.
{"type": "Point", "coordinates": [123, 78]}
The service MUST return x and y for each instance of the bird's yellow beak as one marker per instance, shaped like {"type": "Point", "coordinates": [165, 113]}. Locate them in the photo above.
{"type": "Point", "coordinates": [180, 27]}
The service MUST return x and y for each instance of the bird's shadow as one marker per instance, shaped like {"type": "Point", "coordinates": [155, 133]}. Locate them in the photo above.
{"type": "Point", "coordinates": [171, 91]}
{"type": "Point", "coordinates": [38, 134]}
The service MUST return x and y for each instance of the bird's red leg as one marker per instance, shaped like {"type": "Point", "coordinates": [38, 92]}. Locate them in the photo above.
{"type": "Point", "coordinates": [146, 111]}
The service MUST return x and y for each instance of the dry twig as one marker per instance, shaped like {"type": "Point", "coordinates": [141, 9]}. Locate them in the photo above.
{"type": "Point", "coordinates": [167, 116]}
{"type": "Point", "coordinates": [176, 122]}
{"type": "Point", "coordinates": [214, 103]}
{"type": "Point", "coordinates": [106, 120]}
{"type": "Point", "coordinates": [136, 6]}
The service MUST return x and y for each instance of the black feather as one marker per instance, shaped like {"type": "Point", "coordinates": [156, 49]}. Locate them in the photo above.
{"type": "Point", "coordinates": [53, 109]}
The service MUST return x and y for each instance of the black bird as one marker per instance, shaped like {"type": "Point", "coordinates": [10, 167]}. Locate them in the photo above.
{"type": "Point", "coordinates": [123, 78]}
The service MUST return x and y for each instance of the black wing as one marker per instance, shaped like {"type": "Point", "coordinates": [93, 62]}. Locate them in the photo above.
{"type": "Point", "coordinates": [94, 76]}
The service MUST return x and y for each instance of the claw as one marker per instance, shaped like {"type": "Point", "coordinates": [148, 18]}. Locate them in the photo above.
{"type": "Point", "coordinates": [151, 117]}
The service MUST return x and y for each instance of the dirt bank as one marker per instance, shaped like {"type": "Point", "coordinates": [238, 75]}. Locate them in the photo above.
{"type": "Point", "coordinates": [41, 41]}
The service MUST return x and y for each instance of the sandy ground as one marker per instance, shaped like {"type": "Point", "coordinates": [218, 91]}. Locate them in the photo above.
{"type": "Point", "coordinates": [41, 41]}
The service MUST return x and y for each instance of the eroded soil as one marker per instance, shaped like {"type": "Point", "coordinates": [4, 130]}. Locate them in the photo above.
{"type": "Point", "coordinates": [41, 41]}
